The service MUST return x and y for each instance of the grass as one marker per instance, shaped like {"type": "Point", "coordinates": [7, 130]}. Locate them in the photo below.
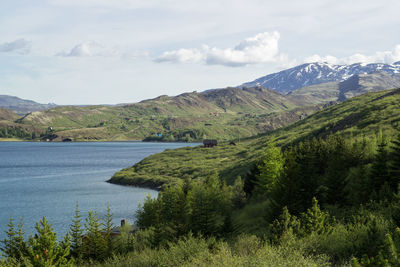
{"type": "Point", "coordinates": [366, 115]}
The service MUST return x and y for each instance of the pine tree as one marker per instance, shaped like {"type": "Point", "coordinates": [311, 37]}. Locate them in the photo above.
{"type": "Point", "coordinates": [107, 231]}
{"type": "Point", "coordinates": [205, 203]}
{"type": "Point", "coordinates": [314, 220]}
{"type": "Point", "coordinates": [9, 247]}
{"type": "Point", "coordinates": [147, 213]}
{"type": "Point", "coordinates": [238, 194]}
{"type": "Point", "coordinates": [271, 168]}
{"type": "Point", "coordinates": [394, 166]}
{"type": "Point", "coordinates": [94, 244]}
{"type": "Point", "coordinates": [44, 250]}
{"type": "Point", "coordinates": [14, 245]}
{"type": "Point", "coordinates": [76, 233]}
{"type": "Point", "coordinates": [284, 224]}
{"type": "Point", "coordinates": [380, 168]}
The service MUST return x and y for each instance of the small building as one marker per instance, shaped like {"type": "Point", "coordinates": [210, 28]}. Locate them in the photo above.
{"type": "Point", "coordinates": [210, 142]}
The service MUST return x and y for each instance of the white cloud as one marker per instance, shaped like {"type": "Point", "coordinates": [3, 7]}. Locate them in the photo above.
{"type": "Point", "coordinates": [183, 56]}
{"type": "Point", "coordinates": [20, 46]}
{"type": "Point", "coordinates": [378, 57]}
{"type": "Point", "coordinates": [90, 49]}
{"type": "Point", "coordinates": [262, 48]}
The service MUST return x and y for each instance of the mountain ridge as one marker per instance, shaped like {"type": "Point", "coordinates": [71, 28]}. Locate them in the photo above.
{"type": "Point", "coordinates": [308, 74]}
{"type": "Point", "coordinates": [22, 106]}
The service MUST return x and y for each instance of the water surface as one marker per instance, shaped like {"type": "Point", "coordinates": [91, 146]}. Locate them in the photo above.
{"type": "Point", "coordinates": [47, 179]}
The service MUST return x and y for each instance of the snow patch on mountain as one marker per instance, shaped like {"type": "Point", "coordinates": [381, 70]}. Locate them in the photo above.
{"type": "Point", "coordinates": [316, 73]}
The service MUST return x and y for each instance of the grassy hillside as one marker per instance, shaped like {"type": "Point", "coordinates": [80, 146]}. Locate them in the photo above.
{"type": "Point", "coordinates": [12, 131]}
{"type": "Point", "coordinates": [365, 115]}
{"type": "Point", "coordinates": [223, 114]}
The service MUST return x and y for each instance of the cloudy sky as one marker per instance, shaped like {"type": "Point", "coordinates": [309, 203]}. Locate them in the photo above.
{"type": "Point", "coordinates": [120, 51]}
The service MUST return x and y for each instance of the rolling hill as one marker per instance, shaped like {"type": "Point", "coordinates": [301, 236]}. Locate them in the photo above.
{"type": "Point", "coordinates": [365, 115]}
{"type": "Point", "coordinates": [221, 113]}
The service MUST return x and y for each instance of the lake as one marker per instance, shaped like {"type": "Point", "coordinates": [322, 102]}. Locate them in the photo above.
{"type": "Point", "coordinates": [47, 179]}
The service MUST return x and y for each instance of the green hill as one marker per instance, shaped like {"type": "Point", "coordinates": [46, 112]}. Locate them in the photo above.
{"type": "Point", "coordinates": [222, 113]}
{"type": "Point", "coordinates": [365, 115]}
{"type": "Point", "coordinates": [11, 130]}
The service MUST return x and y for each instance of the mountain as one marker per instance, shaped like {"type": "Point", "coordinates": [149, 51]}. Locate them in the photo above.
{"type": "Point", "coordinates": [220, 113]}
{"type": "Point", "coordinates": [339, 91]}
{"type": "Point", "coordinates": [317, 73]}
{"type": "Point", "coordinates": [22, 106]}
{"type": "Point", "coordinates": [364, 116]}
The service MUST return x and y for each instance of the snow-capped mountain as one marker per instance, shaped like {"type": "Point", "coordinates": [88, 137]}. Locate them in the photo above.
{"type": "Point", "coordinates": [316, 73]}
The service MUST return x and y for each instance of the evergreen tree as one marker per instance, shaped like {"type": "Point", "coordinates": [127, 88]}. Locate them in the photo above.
{"type": "Point", "coordinates": [394, 166]}
{"type": "Point", "coordinates": [44, 250]}
{"type": "Point", "coordinates": [205, 201]}
{"type": "Point", "coordinates": [94, 243]}
{"type": "Point", "coordinates": [14, 245]}
{"type": "Point", "coordinates": [284, 224]}
{"type": "Point", "coordinates": [147, 213]}
{"type": "Point", "coordinates": [107, 231]}
{"type": "Point", "coordinates": [238, 194]}
{"type": "Point", "coordinates": [76, 233]}
{"type": "Point", "coordinates": [173, 210]}
{"type": "Point", "coordinates": [314, 220]}
{"type": "Point", "coordinates": [380, 168]}
{"type": "Point", "coordinates": [271, 167]}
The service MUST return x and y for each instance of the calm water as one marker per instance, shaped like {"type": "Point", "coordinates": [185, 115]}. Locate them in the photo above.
{"type": "Point", "coordinates": [47, 179]}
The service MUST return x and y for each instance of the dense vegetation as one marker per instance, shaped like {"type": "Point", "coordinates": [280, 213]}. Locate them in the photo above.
{"type": "Point", "coordinates": [366, 115]}
{"type": "Point", "coordinates": [320, 202]}
{"type": "Point", "coordinates": [321, 192]}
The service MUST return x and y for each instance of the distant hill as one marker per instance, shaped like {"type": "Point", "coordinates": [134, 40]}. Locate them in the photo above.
{"type": "Point", "coordinates": [364, 116]}
{"type": "Point", "coordinates": [317, 73]}
{"type": "Point", "coordinates": [339, 91]}
{"type": "Point", "coordinates": [22, 106]}
{"type": "Point", "coordinates": [221, 113]}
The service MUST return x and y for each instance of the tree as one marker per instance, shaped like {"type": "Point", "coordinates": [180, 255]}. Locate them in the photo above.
{"type": "Point", "coordinates": [76, 233]}
{"type": "Point", "coordinates": [107, 231]}
{"type": "Point", "coordinates": [314, 220]}
{"type": "Point", "coordinates": [284, 224]}
{"type": "Point", "coordinates": [380, 168]}
{"type": "Point", "coordinates": [147, 213]}
{"type": "Point", "coordinates": [94, 244]}
{"type": "Point", "coordinates": [238, 194]}
{"type": "Point", "coordinates": [394, 166]}
{"type": "Point", "coordinates": [206, 207]}
{"type": "Point", "coordinates": [44, 250]}
{"type": "Point", "coordinates": [14, 245]}
{"type": "Point", "coordinates": [271, 167]}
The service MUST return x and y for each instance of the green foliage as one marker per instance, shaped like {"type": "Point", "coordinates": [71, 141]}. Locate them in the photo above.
{"type": "Point", "coordinates": [44, 250]}
{"type": "Point", "coordinates": [14, 245]}
{"type": "Point", "coordinates": [76, 233]}
{"type": "Point", "coordinates": [94, 243]}
{"type": "Point", "coordinates": [270, 169]}
{"type": "Point", "coordinates": [314, 220]}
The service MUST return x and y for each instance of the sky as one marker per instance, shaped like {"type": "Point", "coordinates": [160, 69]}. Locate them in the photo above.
{"type": "Point", "coordinates": [125, 51]}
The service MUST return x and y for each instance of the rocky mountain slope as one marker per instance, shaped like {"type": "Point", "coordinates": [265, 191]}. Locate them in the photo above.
{"type": "Point", "coordinates": [317, 73]}
{"type": "Point", "coordinates": [339, 91]}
